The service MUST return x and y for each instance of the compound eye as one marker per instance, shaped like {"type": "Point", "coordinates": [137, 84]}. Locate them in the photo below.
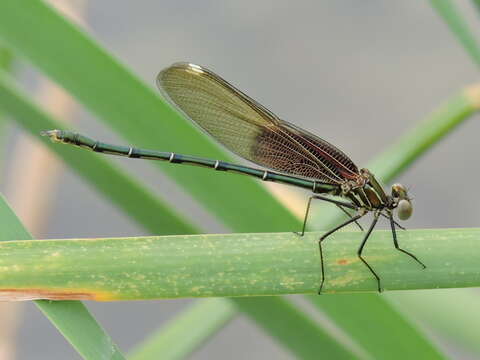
{"type": "Point", "coordinates": [404, 209]}
{"type": "Point", "coordinates": [398, 190]}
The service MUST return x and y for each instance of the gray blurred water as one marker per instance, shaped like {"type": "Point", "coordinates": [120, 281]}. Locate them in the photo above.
{"type": "Point", "coordinates": [356, 73]}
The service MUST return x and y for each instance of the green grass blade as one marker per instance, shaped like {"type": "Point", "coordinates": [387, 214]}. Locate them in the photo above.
{"type": "Point", "coordinates": [71, 318]}
{"type": "Point", "coordinates": [79, 327]}
{"type": "Point", "coordinates": [477, 4]}
{"type": "Point", "coordinates": [132, 100]}
{"type": "Point", "coordinates": [6, 60]}
{"type": "Point", "coordinates": [207, 316]}
{"type": "Point", "coordinates": [457, 24]}
{"type": "Point", "coordinates": [128, 193]}
{"type": "Point", "coordinates": [232, 265]}
{"type": "Point", "coordinates": [372, 316]}
{"type": "Point", "coordinates": [135, 111]}
{"type": "Point", "coordinates": [64, 65]}
{"type": "Point", "coordinates": [34, 120]}
{"type": "Point", "coordinates": [426, 134]}
{"type": "Point", "coordinates": [460, 327]}
{"type": "Point", "coordinates": [307, 340]}
{"type": "Point", "coordinates": [387, 166]}
{"type": "Point", "coordinates": [412, 145]}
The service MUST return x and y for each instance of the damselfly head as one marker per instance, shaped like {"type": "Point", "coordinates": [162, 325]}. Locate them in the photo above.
{"type": "Point", "coordinates": [404, 205]}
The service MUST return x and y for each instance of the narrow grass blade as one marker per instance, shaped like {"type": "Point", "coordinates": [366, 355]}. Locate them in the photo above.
{"type": "Point", "coordinates": [372, 316]}
{"type": "Point", "coordinates": [79, 327]}
{"type": "Point", "coordinates": [133, 100]}
{"type": "Point", "coordinates": [231, 265]}
{"type": "Point", "coordinates": [71, 318]}
{"type": "Point", "coordinates": [390, 164]}
{"type": "Point", "coordinates": [63, 65]}
{"type": "Point", "coordinates": [127, 193]}
{"type": "Point", "coordinates": [460, 327]}
{"type": "Point", "coordinates": [477, 4]}
{"type": "Point", "coordinates": [207, 316]}
{"type": "Point", "coordinates": [135, 111]}
{"type": "Point", "coordinates": [457, 24]}
{"type": "Point", "coordinates": [412, 145]}
{"type": "Point", "coordinates": [306, 341]}
{"type": "Point", "coordinates": [408, 148]}
{"type": "Point", "coordinates": [6, 59]}
{"type": "Point", "coordinates": [387, 166]}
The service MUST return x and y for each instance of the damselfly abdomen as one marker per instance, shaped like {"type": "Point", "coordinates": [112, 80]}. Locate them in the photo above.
{"type": "Point", "coordinates": [296, 156]}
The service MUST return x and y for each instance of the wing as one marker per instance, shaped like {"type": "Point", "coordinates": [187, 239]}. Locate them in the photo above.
{"type": "Point", "coordinates": [250, 130]}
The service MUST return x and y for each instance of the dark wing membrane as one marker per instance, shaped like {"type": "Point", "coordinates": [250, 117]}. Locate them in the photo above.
{"type": "Point", "coordinates": [249, 129]}
{"type": "Point", "coordinates": [329, 155]}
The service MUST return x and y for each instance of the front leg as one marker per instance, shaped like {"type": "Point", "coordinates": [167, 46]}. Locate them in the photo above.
{"type": "Point", "coordinates": [395, 242]}
{"type": "Point", "coordinates": [319, 197]}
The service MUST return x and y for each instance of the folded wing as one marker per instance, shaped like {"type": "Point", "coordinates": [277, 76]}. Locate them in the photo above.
{"type": "Point", "coordinates": [249, 129]}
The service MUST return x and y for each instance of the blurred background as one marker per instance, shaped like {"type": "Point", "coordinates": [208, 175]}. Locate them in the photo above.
{"type": "Point", "coordinates": [355, 73]}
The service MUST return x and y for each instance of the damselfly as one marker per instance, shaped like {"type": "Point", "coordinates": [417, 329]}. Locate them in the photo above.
{"type": "Point", "coordinates": [296, 156]}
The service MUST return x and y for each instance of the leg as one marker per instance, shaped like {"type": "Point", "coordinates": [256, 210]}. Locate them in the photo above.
{"type": "Point", "coordinates": [390, 217]}
{"type": "Point", "coordinates": [353, 219]}
{"type": "Point", "coordinates": [395, 242]}
{"type": "Point", "coordinates": [306, 216]}
{"type": "Point", "coordinates": [349, 215]}
{"type": "Point", "coordinates": [336, 202]}
{"type": "Point", "coordinates": [360, 249]}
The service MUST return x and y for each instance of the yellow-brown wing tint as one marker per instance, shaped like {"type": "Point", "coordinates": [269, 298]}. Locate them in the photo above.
{"type": "Point", "coordinates": [250, 130]}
